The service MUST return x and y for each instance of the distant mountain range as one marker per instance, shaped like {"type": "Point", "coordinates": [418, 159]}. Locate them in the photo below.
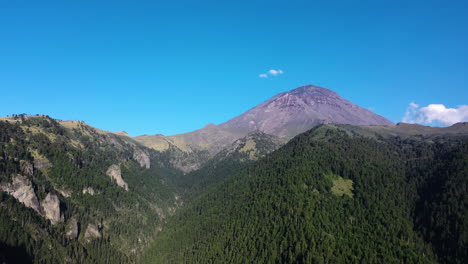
{"type": "Point", "coordinates": [284, 115]}
{"type": "Point", "coordinates": [305, 177]}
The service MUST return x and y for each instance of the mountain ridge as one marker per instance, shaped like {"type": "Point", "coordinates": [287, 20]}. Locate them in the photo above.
{"type": "Point", "coordinates": [333, 194]}
{"type": "Point", "coordinates": [73, 185]}
{"type": "Point", "coordinates": [284, 115]}
{"type": "Point", "coordinates": [79, 178]}
{"type": "Point", "coordinates": [292, 112]}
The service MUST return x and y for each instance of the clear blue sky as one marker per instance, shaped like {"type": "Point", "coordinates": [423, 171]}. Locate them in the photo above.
{"type": "Point", "coordinates": [169, 67]}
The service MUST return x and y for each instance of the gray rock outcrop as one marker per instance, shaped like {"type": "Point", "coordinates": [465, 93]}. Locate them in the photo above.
{"type": "Point", "coordinates": [142, 157]}
{"type": "Point", "coordinates": [66, 193]}
{"type": "Point", "coordinates": [23, 191]}
{"type": "Point", "coordinates": [88, 190]}
{"type": "Point", "coordinates": [92, 231]}
{"type": "Point", "coordinates": [114, 172]}
{"type": "Point", "coordinates": [72, 229]}
{"type": "Point", "coordinates": [51, 208]}
{"type": "Point", "coordinates": [27, 167]}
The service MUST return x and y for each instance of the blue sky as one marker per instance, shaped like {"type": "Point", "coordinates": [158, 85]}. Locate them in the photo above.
{"type": "Point", "coordinates": [170, 67]}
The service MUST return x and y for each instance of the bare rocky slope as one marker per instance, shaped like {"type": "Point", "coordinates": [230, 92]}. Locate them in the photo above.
{"type": "Point", "coordinates": [290, 113]}
{"type": "Point", "coordinates": [284, 115]}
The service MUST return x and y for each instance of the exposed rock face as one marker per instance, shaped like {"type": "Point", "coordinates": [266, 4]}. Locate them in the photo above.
{"type": "Point", "coordinates": [142, 157]}
{"type": "Point", "coordinates": [21, 188]}
{"type": "Point", "coordinates": [72, 229]}
{"type": "Point", "coordinates": [88, 190]}
{"type": "Point", "coordinates": [63, 191]}
{"type": "Point", "coordinates": [42, 163]}
{"type": "Point", "coordinates": [92, 231]}
{"type": "Point", "coordinates": [112, 140]}
{"type": "Point", "coordinates": [115, 173]}
{"type": "Point", "coordinates": [290, 113]}
{"type": "Point", "coordinates": [27, 168]}
{"type": "Point", "coordinates": [51, 208]}
{"type": "Point", "coordinates": [189, 151]}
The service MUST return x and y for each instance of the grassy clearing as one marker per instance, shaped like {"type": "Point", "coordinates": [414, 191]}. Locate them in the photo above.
{"type": "Point", "coordinates": [341, 186]}
{"type": "Point", "coordinates": [250, 147]}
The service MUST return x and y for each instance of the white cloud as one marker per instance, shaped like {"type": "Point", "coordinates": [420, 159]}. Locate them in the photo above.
{"type": "Point", "coordinates": [271, 72]}
{"type": "Point", "coordinates": [413, 105]}
{"type": "Point", "coordinates": [275, 72]}
{"type": "Point", "coordinates": [435, 113]}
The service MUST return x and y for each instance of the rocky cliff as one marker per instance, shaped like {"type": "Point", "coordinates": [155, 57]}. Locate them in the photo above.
{"type": "Point", "coordinates": [115, 173]}
{"type": "Point", "coordinates": [23, 191]}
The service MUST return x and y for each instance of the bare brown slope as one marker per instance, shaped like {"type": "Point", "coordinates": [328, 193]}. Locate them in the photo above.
{"type": "Point", "coordinates": [290, 113]}
{"type": "Point", "coordinates": [284, 115]}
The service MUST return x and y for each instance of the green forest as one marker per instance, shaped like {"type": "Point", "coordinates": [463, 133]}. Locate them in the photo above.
{"type": "Point", "coordinates": [74, 160]}
{"type": "Point", "coordinates": [331, 196]}
{"type": "Point", "coordinates": [334, 194]}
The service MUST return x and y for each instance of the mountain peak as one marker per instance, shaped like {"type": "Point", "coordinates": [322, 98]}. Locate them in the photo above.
{"type": "Point", "coordinates": [290, 113]}
{"type": "Point", "coordinates": [310, 89]}
{"type": "Point", "coordinates": [209, 125]}
{"type": "Point", "coordinates": [309, 93]}
{"type": "Point", "coordinates": [303, 97]}
{"type": "Point", "coordinates": [284, 115]}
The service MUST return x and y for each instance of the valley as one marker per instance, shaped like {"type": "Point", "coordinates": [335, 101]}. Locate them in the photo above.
{"type": "Point", "coordinates": [304, 177]}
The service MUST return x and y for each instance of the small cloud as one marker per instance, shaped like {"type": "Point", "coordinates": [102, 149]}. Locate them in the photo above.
{"type": "Point", "coordinates": [413, 105]}
{"type": "Point", "coordinates": [371, 108]}
{"type": "Point", "coordinates": [275, 72]}
{"type": "Point", "coordinates": [435, 113]}
{"type": "Point", "coordinates": [271, 72]}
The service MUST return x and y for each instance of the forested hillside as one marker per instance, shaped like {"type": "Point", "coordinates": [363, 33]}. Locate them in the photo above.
{"type": "Point", "coordinates": [71, 193]}
{"type": "Point", "coordinates": [331, 195]}
{"type": "Point", "coordinates": [239, 154]}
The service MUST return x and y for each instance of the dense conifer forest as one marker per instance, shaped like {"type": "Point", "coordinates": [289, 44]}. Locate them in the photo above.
{"type": "Point", "coordinates": [233, 132]}
{"type": "Point", "coordinates": [335, 194]}
{"type": "Point", "coordinates": [331, 196]}
{"type": "Point", "coordinates": [71, 163]}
